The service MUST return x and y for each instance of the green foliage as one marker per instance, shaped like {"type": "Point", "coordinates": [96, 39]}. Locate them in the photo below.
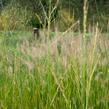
{"type": "Point", "coordinates": [49, 82]}
{"type": "Point", "coordinates": [27, 10]}
{"type": "Point", "coordinates": [13, 17]}
{"type": "Point", "coordinates": [69, 79]}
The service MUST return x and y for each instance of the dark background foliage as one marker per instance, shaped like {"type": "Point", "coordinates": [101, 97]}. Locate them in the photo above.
{"type": "Point", "coordinates": [98, 10]}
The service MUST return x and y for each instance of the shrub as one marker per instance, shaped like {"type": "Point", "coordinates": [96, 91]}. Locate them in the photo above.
{"type": "Point", "coordinates": [13, 17]}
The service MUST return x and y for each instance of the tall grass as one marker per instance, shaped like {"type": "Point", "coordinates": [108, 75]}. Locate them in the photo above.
{"type": "Point", "coordinates": [54, 81]}
{"type": "Point", "coordinates": [65, 72]}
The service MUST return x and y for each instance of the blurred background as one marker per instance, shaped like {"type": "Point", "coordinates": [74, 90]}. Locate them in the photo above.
{"type": "Point", "coordinates": [24, 14]}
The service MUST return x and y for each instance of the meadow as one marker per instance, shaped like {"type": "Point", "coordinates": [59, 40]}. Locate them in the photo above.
{"type": "Point", "coordinates": [60, 73]}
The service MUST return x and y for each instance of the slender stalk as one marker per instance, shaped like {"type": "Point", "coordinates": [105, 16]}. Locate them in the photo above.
{"type": "Point", "coordinates": [85, 11]}
{"type": "Point", "coordinates": [84, 65]}
{"type": "Point", "coordinates": [92, 69]}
